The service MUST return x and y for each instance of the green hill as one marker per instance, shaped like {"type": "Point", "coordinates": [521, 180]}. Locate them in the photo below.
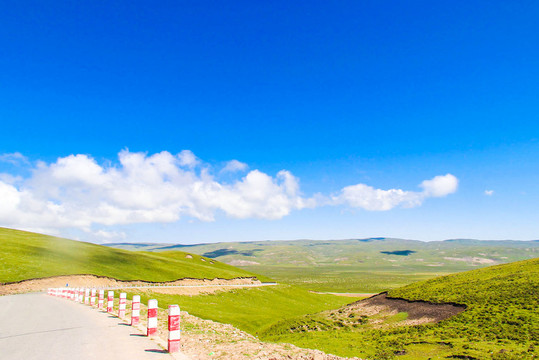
{"type": "Point", "coordinates": [357, 265]}
{"type": "Point", "coordinates": [26, 255]}
{"type": "Point", "coordinates": [501, 320]}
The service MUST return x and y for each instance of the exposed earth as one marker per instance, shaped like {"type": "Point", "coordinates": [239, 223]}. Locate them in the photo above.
{"type": "Point", "coordinates": [42, 284]}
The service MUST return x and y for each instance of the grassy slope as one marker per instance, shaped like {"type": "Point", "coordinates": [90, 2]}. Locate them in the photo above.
{"type": "Point", "coordinates": [25, 255]}
{"type": "Point", "coordinates": [501, 320]}
{"type": "Point", "coordinates": [358, 265]}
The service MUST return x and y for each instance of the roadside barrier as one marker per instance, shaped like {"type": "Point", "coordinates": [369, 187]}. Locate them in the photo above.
{"type": "Point", "coordinates": [121, 306]}
{"type": "Point", "coordinates": [88, 296]}
{"type": "Point", "coordinates": [101, 299]}
{"type": "Point", "coordinates": [110, 301]}
{"type": "Point", "coordinates": [173, 328]}
{"type": "Point", "coordinates": [135, 310]}
{"type": "Point", "coordinates": [92, 298]}
{"type": "Point", "coordinates": [152, 317]}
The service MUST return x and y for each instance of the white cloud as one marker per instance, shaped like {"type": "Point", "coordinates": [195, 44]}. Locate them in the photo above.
{"type": "Point", "coordinates": [187, 158]}
{"type": "Point", "coordinates": [77, 192]}
{"type": "Point", "coordinates": [489, 192]}
{"type": "Point", "coordinates": [15, 158]}
{"type": "Point", "coordinates": [368, 198]}
{"type": "Point", "coordinates": [106, 236]}
{"type": "Point", "coordinates": [440, 186]}
{"type": "Point", "coordinates": [234, 165]}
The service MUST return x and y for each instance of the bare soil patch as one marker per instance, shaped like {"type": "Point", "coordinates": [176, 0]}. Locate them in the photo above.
{"type": "Point", "coordinates": [33, 285]}
{"type": "Point", "coordinates": [418, 311]}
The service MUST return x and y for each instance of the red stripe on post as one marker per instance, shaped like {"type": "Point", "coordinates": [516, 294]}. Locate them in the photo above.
{"type": "Point", "coordinates": [121, 306]}
{"type": "Point", "coordinates": [152, 317]}
{"type": "Point", "coordinates": [110, 301]}
{"type": "Point", "coordinates": [101, 300]}
{"type": "Point", "coordinates": [135, 310]}
{"type": "Point", "coordinates": [173, 328]}
{"type": "Point", "coordinates": [92, 297]}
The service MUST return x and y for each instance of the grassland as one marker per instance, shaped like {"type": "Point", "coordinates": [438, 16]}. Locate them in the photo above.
{"type": "Point", "coordinates": [357, 265]}
{"type": "Point", "coordinates": [251, 309]}
{"type": "Point", "coordinates": [25, 255]}
{"type": "Point", "coordinates": [346, 279]}
{"type": "Point", "coordinates": [501, 320]}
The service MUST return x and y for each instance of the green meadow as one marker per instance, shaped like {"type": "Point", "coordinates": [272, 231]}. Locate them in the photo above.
{"type": "Point", "coordinates": [251, 309]}
{"type": "Point", "coordinates": [345, 279]}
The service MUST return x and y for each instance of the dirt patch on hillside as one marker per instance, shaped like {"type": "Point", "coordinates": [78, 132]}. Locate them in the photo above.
{"type": "Point", "coordinates": [93, 281]}
{"type": "Point", "coordinates": [419, 312]}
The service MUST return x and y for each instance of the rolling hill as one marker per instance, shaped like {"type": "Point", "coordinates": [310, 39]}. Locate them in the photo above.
{"type": "Point", "coordinates": [356, 265]}
{"type": "Point", "coordinates": [26, 255]}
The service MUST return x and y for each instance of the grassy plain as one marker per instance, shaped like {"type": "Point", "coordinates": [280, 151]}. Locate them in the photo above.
{"type": "Point", "coordinates": [25, 255]}
{"type": "Point", "coordinates": [345, 279]}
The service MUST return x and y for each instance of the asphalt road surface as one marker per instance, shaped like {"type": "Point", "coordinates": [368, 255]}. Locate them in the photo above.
{"type": "Point", "coordinates": [38, 326]}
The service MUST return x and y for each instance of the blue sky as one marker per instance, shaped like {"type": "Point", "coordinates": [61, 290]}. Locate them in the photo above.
{"type": "Point", "coordinates": [358, 102]}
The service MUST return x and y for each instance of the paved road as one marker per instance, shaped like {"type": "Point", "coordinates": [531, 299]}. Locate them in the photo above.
{"type": "Point", "coordinates": [37, 326]}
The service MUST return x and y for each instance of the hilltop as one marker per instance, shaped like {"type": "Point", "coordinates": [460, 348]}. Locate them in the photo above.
{"type": "Point", "coordinates": [25, 255]}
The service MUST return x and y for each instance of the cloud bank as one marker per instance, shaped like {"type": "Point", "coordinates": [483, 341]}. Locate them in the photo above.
{"type": "Point", "coordinates": [77, 192]}
{"type": "Point", "coordinates": [368, 198]}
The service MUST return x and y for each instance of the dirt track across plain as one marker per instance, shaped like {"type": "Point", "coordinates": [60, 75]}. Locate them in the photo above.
{"type": "Point", "coordinates": [38, 326]}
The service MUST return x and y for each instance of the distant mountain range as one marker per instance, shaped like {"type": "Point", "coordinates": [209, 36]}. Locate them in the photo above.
{"type": "Point", "coordinates": [459, 253]}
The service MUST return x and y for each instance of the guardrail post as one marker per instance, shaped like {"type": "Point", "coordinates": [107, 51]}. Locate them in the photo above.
{"type": "Point", "coordinates": [110, 301]}
{"type": "Point", "coordinates": [92, 297]}
{"type": "Point", "coordinates": [101, 299]}
{"type": "Point", "coordinates": [135, 310]}
{"type": "Point", "coordinates": [173, 328]}
{"type": "Point", "coordinates": [121, 306]}
{"type": "Point", "coordinates": [152, 317]}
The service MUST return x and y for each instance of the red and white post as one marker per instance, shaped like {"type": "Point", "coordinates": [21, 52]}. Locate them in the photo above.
{"type": "Point", "coordinates": [110, 301]}
{"type": "Point", "coordinates": [173, 328]}
{"type": "Point", "coordinates": [152, 317]}
{"type": "Point", "coordinates": [87, 296]}
{"type": "Point", "coordinates": [101, 299]}
{"type": "Point", "coordinates": [135, 310]}
{"type": "Point", "coordinates": [121, 306]}
{"type": "Point", "coordinates": [92, 297]}
{"type": "Point", "coordinates": [81, 295]}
